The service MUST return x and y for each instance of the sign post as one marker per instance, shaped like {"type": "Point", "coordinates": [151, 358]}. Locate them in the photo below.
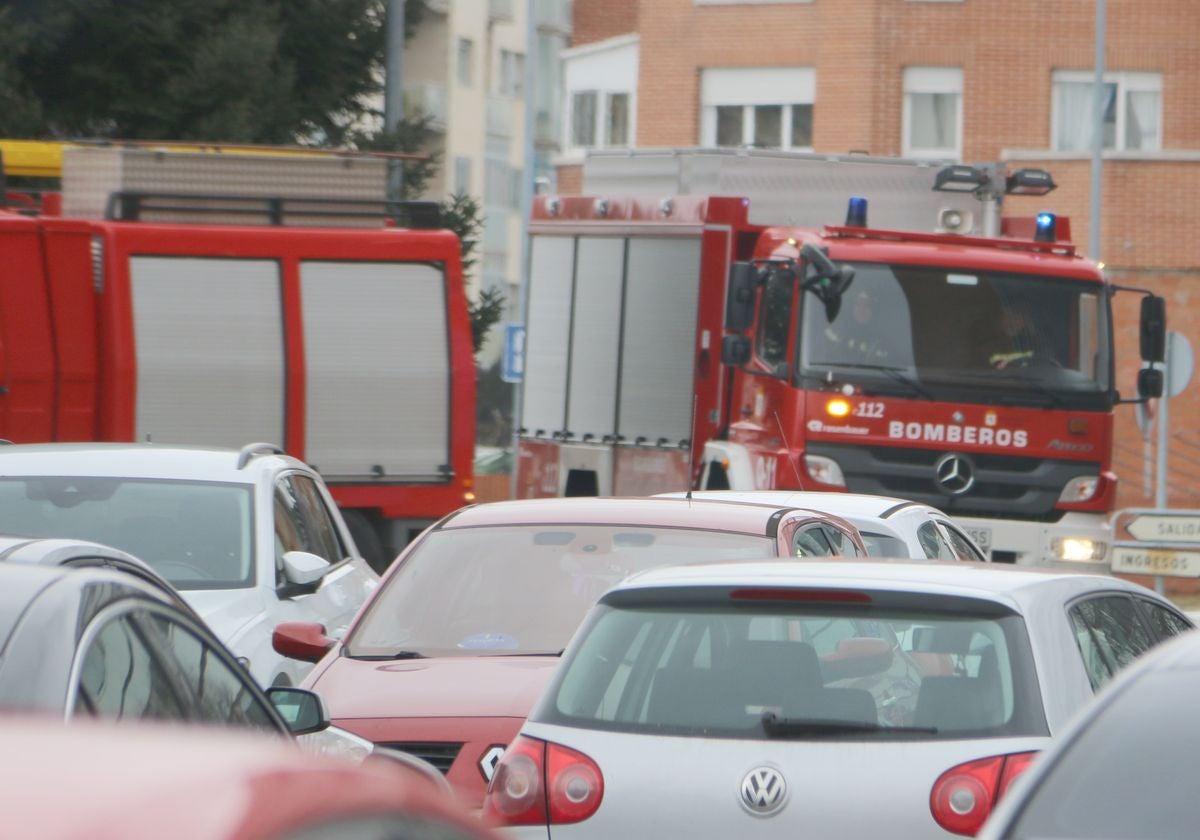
{"type": "Point", "coordinates": [1156, 541]}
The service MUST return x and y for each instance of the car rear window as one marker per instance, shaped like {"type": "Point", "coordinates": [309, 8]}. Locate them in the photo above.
{"type": "Point", "coordinates": [861, 669]}
{"type": "Point", "coordinates": [515, 589]}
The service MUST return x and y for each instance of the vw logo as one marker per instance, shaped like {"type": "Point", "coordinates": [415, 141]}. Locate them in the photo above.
{"type": "Point", "coordinates": [954, 473]}
{"type": "Point", "coordinates": [763, 791]}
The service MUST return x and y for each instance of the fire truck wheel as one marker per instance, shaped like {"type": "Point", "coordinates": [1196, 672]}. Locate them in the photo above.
{"type": "Point", "coordinates": [362, 529]}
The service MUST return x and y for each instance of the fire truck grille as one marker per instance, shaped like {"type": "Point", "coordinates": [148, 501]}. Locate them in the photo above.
{"type": "Point", "coordinates": [1003, 487]}
{"type": "Point", "coordinates": [440, 754]}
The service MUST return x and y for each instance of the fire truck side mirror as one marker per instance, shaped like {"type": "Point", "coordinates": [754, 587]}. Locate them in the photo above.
{"type": "Point", "coordinates": [739, 297]}
{"type": "Point", "coordinates": [735, 350]}
{"type": "Point", "coordinates": [1150, 383]}
{"type": "Point", "coordinates": [1153, 332]}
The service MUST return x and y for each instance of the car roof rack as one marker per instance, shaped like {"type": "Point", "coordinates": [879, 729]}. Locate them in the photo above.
{"type": "Point", "coordinates": [251, 450]}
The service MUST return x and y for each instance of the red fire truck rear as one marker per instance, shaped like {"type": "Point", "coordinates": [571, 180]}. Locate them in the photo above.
{"type": "Point", "coordinates": [224, 298]}
{"type": "Point", "coordinates": [696, 321]}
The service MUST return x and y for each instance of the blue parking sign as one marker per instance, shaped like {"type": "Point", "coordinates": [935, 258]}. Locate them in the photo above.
{"type": "Point", "coordinates": [513, 367]}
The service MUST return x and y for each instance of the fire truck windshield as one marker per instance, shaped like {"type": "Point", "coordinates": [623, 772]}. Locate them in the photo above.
{"type": "Point", "coordinates": [944, 334]}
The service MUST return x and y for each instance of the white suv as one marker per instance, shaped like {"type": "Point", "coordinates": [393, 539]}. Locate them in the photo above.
{"type": "Point", "coordinates": [251, 538]}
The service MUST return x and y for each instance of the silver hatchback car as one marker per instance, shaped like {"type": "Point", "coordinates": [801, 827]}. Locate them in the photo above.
{"type": "Point", "coordinates": [823, 699]}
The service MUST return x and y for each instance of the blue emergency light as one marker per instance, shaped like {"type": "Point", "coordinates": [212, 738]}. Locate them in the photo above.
{"type": "Point", "coordinates": [1044, 231]}
{"type": "Point", "coordinates": [856, 212]}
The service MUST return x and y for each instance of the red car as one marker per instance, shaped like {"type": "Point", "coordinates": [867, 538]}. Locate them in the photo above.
{"type": "Point", "coordinates": [448, 655]}
{"type": "Point", "coordinates": [147, 781]}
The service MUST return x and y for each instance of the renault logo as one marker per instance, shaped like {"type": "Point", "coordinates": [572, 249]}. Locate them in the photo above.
{"type": "Point", "coordinates": [763, 791]}
{"type": "Point", "coordinates": [954, 473]}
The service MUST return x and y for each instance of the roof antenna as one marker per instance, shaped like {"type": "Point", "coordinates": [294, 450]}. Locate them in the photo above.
{"type": "Point", "coordinates": [788, 447]}
{"type": "Point", "coordinates": [691, 452]}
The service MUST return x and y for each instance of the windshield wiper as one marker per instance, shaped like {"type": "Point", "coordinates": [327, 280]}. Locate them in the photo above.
{"type": "Point", "coordinates": [1052, 397]}
{"type": "Point", "coordinates": [912, 386]}
{"type": "Point", "coordinates": [400, 654]}
{"type": "Point", "coordinates": [777, 727]}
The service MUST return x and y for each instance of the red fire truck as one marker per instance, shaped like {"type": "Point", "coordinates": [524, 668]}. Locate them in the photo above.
{"type": "Point", "coordinates": [695, 321]}
{"type": "Point", "coordinates": [219, 298]}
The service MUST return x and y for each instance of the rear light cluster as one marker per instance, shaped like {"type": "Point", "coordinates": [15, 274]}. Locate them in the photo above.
{"type": "Point", "coordinates": [963, 796]}
{"type": "Point", "coordinates": [538, 783]}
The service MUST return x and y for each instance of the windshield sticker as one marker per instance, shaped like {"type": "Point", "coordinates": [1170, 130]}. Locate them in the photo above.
{"type": "Point", "coordinates": [942, 432]}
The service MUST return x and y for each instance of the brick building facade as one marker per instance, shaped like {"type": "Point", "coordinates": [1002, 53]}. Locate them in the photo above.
{"type": "Point", "coordinates": [1013, 69]}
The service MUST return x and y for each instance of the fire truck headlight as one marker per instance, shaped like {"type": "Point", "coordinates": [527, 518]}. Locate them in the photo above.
{"type": "Point", "coordinates": [1080, 489]}
{"type": "Point", "coordinates": [824, 470]}
{"type": "Point", "coordinates": [1081, 549]}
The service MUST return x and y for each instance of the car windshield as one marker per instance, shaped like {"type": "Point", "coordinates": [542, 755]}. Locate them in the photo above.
{"type": "Point", "coordinates": [520, 588]}
{"type": "Point", "coordinates": [1129, 774]}
{"type": "Point", "coordinates": [937, 333]}
{"type": "Point", "coordinates": [860, 671]}
{"type": "Point", "coordinates": [196, 535]}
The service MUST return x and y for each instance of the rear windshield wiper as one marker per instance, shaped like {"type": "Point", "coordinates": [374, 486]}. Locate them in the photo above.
{"type": "Point", "coordinates": [400, 654]}
{"type": "Point", "coordinates": [777, 727]}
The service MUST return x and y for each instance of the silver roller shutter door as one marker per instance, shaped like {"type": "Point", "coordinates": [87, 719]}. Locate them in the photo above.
{"type": "Point", "coordinates": [378, 369]}
{"type": "Point", "coordinates": [596, 333]}
{"type": "Point", "coordinates": [208, 336]}
{"type": "Point", "coordinates": [548, 328]}
{"type": "Point", "coordinates": [657, 364]}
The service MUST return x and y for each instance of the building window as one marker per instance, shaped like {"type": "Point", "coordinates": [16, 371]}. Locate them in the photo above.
{"type": "Point", "coordinates": [933, 112]}
{"type": "Point", "coordinates": [1132, 111]}
{"type": "Point", "coordinates": [462, 175]}
{"type": "Point", "coordinates": [583, 118]}
{"type": "Point", "coordinates": [616, 122]}
{"type": "Point", "coordinates": [767, 108]}
{"type": "Point", "coordinates": [512, 73]}
{"type": "Point", "coordinates": [466, 56]}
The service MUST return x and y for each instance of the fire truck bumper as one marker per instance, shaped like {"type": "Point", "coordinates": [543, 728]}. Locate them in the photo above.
{"type": "Point", "coordinates": [1078, 541]}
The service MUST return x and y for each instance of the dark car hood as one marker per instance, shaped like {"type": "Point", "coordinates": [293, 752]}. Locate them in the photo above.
{"type": "Point", "coordinates": [469, 686]}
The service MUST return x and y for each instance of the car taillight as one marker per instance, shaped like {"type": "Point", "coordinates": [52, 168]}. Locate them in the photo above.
{"type": "Point", "coordinates": [537, 783]}
{"type": "Point", "coordinates": [575, 784]}
{"type": "Point", "coordinates": [963, 796]}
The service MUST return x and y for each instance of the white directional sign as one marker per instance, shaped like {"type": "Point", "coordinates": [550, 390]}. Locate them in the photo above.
{"type": "Point", "coordinates": [1165, 528]}
{"type": "Point", "coordinates": [1129, 560]}
{"type": "Point", "coordinates": [1157, 541]}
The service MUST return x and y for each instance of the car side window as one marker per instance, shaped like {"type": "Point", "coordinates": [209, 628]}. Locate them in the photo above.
{"type": "Point", "coordinates": [840, 543]}
{"type": "Point", "coordinates": [776, 306]}
{"type": "Point", "coordinates": [962, 547]}
{"type": "Point", "coordinates": [222, 694]}
{"type": "Point", "coordinates": [933, 543]}
{"type": "Point", "coordinates": [302, 521]}
{"type": "Point", "coordinates": [811, 542]}
{"type": "Point", "coordinates": [121, 678]}
{"type": "Point", "coordinates": [1110, 635]}
{"type": "Point", "coordinates": [1165, 622]}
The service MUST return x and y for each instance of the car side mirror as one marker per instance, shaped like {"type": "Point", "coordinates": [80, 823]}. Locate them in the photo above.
{"type": "Point", "coordinates": [303, 568]}
{"type": "Point", "coordinates": [305, 641]}
{"type": "Point", "coordinates": [302, 710]}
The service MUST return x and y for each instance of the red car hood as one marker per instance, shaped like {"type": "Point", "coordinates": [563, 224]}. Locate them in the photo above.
{"type": "Point", "coordinates": [469, 686]}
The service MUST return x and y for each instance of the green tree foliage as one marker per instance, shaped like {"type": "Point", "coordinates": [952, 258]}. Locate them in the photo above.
{"type": "Point", "coordinates": [238, 71]}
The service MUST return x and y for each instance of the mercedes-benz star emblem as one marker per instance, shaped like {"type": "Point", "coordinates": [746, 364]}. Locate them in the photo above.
{"type": "Point", "coordinates": [764, 791]}
{"type": "Point", "coordinates": [954, 473]}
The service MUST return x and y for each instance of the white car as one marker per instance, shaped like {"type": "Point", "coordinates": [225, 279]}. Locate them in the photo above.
{"type": "Point", "coordinates": [830, 698]}
{"type": "Point", "coordinates": [250, 538]}
{"type": "Point", "coordinates": [890, 527]}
